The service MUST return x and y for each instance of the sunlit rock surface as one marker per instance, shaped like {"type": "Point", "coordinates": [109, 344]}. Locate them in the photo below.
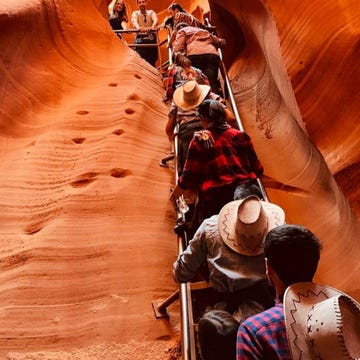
{"type": "Point", "coordinates": [296, 83]}
{"type": "Point", "coordinates": [86, 240]}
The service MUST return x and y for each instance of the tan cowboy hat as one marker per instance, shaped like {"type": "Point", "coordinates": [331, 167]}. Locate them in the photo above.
{"type": "Point", "coordinates": [321, 323]}
{"type": "Point", "coordinates": [243, 224]}
{"type": "Point", "coordinates": [190, 94]}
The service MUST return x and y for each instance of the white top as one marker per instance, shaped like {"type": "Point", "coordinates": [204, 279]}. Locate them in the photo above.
{"type": "Point", "coordinates": [141, 20]}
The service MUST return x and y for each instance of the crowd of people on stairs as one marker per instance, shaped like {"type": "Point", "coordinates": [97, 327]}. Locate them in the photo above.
{"type": "Point", "coordinates": [265, 303]}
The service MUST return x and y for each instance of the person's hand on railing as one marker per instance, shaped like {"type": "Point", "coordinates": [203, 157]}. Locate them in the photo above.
{"type": "Point", "coordinates": [175, 194]}
{"type": "Point", "coordinates": [179, 198]}
{"type": "Point", "coordinates": [145, 29]}
{"type": "Point", "coordinates": [166, 101]}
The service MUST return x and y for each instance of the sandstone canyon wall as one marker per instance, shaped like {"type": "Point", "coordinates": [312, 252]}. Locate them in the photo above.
{"type": "Point", "coordinates": [298, 100]}
{"type": "Point", "coordinates": [86, 241]}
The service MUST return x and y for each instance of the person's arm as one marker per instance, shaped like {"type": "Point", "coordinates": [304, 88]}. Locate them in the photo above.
{"type": "Point", "coordinates": [254, 162]}
{"type": "Point", "coordinates": [175, 194]}
{"type": "Point", "coordinates": [187, 264]}
{"type": "Point", "coordinates": [179, 44]}
{"type": "Point", "coordinates": [171, 123]}
{"type": "Point", "coordinates": [134, 20]}
{"type": "Point", "coordinates": [202, 77]}
{"type": "Point", "coordinates": [189, 182]}
{"type": "Point", "coordinates": [170, 83]}
{"type": "Point", "coordinates": [154, 19]}
{"type": "Point", "coordinates": [230, 117]}
{"type": "Point", "coordinates": [218, 42]}
{"type": "Point", "coordinates": [124, 24]}
{"type": "Point", "coordinates": [193, 167]}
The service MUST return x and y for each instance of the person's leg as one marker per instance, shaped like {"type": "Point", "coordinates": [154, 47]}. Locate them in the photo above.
{"type": "Point", "coordinates": [209, 65]}
{"type": "Point", "coordinates": [150, 54]}
{"type": "Point", "coordinates": [139, 50]}
{"type": "Point", "coordinates": [212, 72]}
{"type": "Point", "coordinates": [198, 61]}
{"type": "Point", "coordinates": [185, 135]}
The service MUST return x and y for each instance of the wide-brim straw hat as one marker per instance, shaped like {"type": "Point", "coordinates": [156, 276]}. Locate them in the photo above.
{"type": "Point", "coordinates": [190, 94]}
{"type": "Point", "coordinates": [243, 224]}
{"type": "Point", "coordinates": [321, 323]}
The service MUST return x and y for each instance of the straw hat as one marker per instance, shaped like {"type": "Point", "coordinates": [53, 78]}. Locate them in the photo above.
{"type": "Point", "coordinates": [321, 323]}
{"type": "Point", "coordinates": [190, 94]}
{"type": "Point", "coordinates": [243, 224]}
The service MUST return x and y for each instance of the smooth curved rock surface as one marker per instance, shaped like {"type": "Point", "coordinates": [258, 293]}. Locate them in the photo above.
{"type": "Point", "coordinates": [86, 240]}
{"type": "Point", "coordinates": [299, 101]}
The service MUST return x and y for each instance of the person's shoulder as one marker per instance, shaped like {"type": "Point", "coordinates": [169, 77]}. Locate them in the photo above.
{"type": "Point", "coordinates": [236, 133]}
{"type": "Point", "coordinates": [189, 29]}
{"type": "Point", "coordinates": [209, 226]}
{"type": "Point", "coordinates": [211, 221]}
{"type": "Point", "coordinates": [265, 319]}
{"type": "Point", "coordinates": [182, 16]}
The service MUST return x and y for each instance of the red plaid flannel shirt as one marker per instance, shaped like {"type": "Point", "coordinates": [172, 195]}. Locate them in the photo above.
{"type": "Point", "coordinates": [231, 160]}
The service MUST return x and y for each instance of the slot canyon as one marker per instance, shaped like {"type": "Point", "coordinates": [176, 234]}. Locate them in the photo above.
{"type": "Point", "coordinates": [86, 236]}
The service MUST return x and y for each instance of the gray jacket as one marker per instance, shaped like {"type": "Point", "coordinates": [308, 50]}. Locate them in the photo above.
{"type": "Point", "coordinates": [229, 271]}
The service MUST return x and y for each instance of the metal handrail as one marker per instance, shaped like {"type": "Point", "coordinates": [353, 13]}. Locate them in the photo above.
{"type": "Point", "coordinates": [157, 44]}
{"type": "Point", "coordinates": [233, 105]}
{"type": "Point", "coordinates": [184, 292]}
{"type": "Point", "coordinates": [237, 115]}
{"type": "Point", "coordinates": [230, 92]}
{"type": "Point", "coordinates": [130, 31]}
{"type": "Point", "coordinates": [168, 37]}
{"type": "Point", "coordinates": [187, 333]}
{"type": "Point", "coordinates": [137, 31]}
{"type": "Point", "coordinates": [186, 313]}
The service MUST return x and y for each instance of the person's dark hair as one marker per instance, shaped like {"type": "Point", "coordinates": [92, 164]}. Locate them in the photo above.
{"type": "Point", "coordinates": [293, 252]}
{"type": "Point", "coordinates": [212, 110]}
{"type": "Point", "coordinates": [249, 308]}
{"type": "Point", "coordinates": [176, 6]}
{"type": "Point", "coordinates": [246, 189]}
{"type": "Point", "coordinates": [217, 335]}
{"type": "Point", "coordinates": [169, 21]}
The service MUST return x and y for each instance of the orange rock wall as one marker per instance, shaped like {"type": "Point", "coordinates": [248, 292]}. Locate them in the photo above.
{"type": "Point", "coordinates": [299, 100]}
{"type": "Point", "coordinates": [86, 241]}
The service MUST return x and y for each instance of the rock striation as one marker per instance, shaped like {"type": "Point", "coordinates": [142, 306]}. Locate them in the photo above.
{"type": "Point", "coordinates": [86, 240]}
